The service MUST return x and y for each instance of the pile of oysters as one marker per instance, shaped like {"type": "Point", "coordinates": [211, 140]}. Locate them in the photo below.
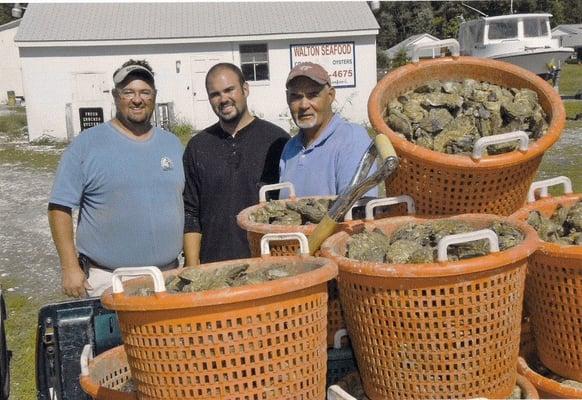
{"type": "Point", "coordinates": [196, 279]}
{"type": "Point", "coordinates": [300, 212]}
{"type": "Point", "coordinates": [449, 116]}
{"type": "Point", "coordinates": [416, 243]}
{"type": "Point", "coordinates": [564, 227]}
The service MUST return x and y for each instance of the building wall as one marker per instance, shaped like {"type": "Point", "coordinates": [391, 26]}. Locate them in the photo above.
{"type": "Point", "coordinates": [10, 73]}
{"type": "Point", "coordinates": [59, 81]}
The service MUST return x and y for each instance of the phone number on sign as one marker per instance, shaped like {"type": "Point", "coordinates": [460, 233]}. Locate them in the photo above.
{"type": "Point", "coordinates": [342, 73]}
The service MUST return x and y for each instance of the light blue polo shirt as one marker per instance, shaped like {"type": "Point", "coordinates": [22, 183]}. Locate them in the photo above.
{"type": "Point", "coordinates": [129, 195]}
{"type": "Point", "coordinates": [327, 165]}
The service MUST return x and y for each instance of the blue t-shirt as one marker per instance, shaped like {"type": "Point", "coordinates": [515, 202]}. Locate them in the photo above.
{"type": "Point", "coordinates": [327, 166]}
{"type": "Point", "coordinates": [129, 195]}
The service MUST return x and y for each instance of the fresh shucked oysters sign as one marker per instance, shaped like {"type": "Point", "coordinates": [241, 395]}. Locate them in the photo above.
{"type": "Point", "coordinates": [338, 58]}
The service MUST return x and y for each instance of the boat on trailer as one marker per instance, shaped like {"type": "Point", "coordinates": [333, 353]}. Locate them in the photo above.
{"type": "Point", "coordinates": [521, 39]}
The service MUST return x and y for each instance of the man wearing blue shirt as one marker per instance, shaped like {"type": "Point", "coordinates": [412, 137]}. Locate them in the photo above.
{"type": "Point", "coordinates": [322, 158]}
{"type": "Point", "coordinates": [126, 178]}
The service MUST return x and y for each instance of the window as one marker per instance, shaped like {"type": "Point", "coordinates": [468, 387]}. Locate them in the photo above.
{"type": "Point", "coordinates": [503, 29]}
{"type": "Point", "coordinates": [535, 27]}
{"type": "Point", "coordinates": [254, 60]}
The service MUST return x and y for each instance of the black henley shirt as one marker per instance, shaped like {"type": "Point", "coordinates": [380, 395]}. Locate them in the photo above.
{"type": "Point", "coordinates": [223, 177]}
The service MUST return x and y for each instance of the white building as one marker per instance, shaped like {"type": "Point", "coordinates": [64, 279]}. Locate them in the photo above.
{"type": "Point", "coordinates": [409, 43]}
{"type": "Point", "coordinates": [69, 52]}
{"type": "Point", "coordinates": [10, 72]}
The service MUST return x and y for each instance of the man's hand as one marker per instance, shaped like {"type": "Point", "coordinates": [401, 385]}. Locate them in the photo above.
{"type": "Point", "coordinates": [74, 281]}
{"type": "Point", "coordinates": [192, 249]}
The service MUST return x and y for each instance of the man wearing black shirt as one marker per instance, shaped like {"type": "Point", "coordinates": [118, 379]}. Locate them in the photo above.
{"type": "Point", "coordinates": [225, 165]}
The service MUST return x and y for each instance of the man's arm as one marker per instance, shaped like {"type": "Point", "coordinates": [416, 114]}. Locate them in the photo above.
{"type": "Point", "coordinates": [192, 248]}
{"type": "Point", "coordinates": [192, 231]}
{"type": "Point", "coordinates": [73, 277]}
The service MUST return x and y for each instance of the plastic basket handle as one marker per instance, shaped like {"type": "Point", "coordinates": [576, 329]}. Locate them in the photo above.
{"type": "Point", "coordinates": [482, 143]}
{"type": "Point", "coordinates": [266, 239]}
{"type": "Point", "coordinates": [547, 183]}
{"type": "Point", "coordinates": [154, 272]}
{"type": "Point", "coordinates": [350, 214]}
{"type": "Point", "coordinates": [449, 43]}
{"type": "Point", "coordinates": [337, 338]}
{"type": "Point", "coordinates": [275, 186]}
{"type": "Point", "coordinates": [388, 201]}
{"type": "Point", "coordinates": [86, 356]}
{"type": "Point", "coordinates": [334, 392]}
{"type": "Point", "coordinates": [448, 240]}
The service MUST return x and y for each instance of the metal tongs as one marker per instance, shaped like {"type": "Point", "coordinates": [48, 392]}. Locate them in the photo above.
{"type": "Point", "coordinates": [359, 185]}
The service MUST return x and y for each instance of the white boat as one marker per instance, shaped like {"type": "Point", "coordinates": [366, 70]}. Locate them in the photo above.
{"type": "Point", "coordinates": [521, 39]}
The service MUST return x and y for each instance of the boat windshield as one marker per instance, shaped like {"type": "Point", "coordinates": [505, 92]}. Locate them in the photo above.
{"type": "Point", "coordinates": [535, 27]}
{"type": "Point", "coordinates": [504, 29]}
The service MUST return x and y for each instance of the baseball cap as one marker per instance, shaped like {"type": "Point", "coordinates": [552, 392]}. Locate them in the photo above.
{"type": "Point", "coordinates": [124, 72]}
{"type": "Point", "coordinates": [313, 71]}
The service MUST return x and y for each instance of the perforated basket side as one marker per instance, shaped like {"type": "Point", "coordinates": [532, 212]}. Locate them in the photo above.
{"type": "Point", "coordinates": [554, 296]}
{"type": "Point", "coordinates": [109, 374]}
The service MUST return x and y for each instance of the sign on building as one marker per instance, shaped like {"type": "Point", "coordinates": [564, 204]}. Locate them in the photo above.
{"type": "Point", "coordinates": [90, 117]}
{"type": "Point", "coordinates": [337, 58]}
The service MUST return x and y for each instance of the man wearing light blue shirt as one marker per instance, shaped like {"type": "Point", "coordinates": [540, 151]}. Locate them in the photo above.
{"type": "Point", "coordinates": [322, 158]}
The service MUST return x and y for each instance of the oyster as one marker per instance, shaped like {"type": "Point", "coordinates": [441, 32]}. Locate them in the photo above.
{"type": "Point", "coordinates": [563, 227]}
{"type": "Point", "coordinates": [368, 246]}
{"type": "Point", "coordinates": [298, 212]}
{"type": "Point", "coordinates": [414, 243]}
{"type": "Point", "coordinates": [432, 115]}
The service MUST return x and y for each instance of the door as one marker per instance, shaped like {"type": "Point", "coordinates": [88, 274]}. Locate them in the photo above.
{"type": "Point", "coordinates": [203, 114]}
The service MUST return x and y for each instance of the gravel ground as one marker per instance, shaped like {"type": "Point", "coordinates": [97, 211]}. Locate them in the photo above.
{"type": "Point", "coordinates": [27, 254]}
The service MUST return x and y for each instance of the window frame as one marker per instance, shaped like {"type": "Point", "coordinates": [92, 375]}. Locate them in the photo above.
{"type": "Point", "coordinates": [254, 62]}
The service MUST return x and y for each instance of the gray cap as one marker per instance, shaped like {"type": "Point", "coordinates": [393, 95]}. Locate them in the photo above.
{"type": "Point", "coordinates": [124, 72]}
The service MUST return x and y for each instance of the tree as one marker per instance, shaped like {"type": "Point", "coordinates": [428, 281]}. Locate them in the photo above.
{"type": "Point", "coordinates": [388, 33]}
{"type": "Point", "coordinates": [6, 13]}
{"type": "Point", "coordinates": [400, 59]}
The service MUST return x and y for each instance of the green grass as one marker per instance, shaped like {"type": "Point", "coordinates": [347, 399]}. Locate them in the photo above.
{"type": "Point", "coordinates": [29, 158]}
{"type": "Point", "coordinates": [573, 108]}
{"type": "Point", "coordinates": [21, 337]}
{"type": "Point", "coordinates": [570, 79]}
{"type": "Point", "coordinates": [12, 124]}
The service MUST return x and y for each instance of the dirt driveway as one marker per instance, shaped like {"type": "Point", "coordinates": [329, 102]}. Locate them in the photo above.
{"type": "Point", "coordinates": [28, 259]}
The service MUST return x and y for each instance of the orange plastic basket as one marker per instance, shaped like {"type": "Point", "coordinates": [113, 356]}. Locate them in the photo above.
{"type": "Point", "coordinates": [262, 341]}
{"type": "Point", "coordinates": [339, 391]}
{"type": "Point", "coordinates": [442, 330]}
{"type": "Point", "coordinates": [103, 377]}
{"type": "Point", "coordinates": [546, 387]}
{"type": "Point", "coordinates": [256, 231]}
{"type": "Point", "coordinates": [554, 293]}
{"type": "Point", "coordinates": [444, 184]}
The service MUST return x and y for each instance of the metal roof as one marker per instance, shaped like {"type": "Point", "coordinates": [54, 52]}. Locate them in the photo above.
{"type": "Point", "coordinates": [46, 22]}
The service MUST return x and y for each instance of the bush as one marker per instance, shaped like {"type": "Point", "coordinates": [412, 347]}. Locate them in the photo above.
{"type": "Point", "coordinates": [13, 124]}
{"type": "Point", "coordinates": [183, 130]}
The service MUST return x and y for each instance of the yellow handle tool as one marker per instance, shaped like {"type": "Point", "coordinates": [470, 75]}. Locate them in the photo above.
{"type": "Point", "coordinates": [344, 202]}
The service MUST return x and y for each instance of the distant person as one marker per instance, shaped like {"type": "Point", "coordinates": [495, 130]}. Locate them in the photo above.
{"type": "Point", "coordinates": [126, 178]}
{"type": "Point", "coordinates": [225, 166]}
{"type": "Point", "coordinates": [322, 158]}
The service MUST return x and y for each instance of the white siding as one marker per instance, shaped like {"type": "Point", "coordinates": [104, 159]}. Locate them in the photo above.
{"type": "Point", "coordinates": [51, 77]}
{"type": "Point", "coordinates": [10, 73]}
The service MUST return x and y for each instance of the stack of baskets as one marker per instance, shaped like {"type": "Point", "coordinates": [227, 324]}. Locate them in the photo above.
{"type": "Point", "coordinates": [448, 329]}
{"type": "Point", "coordinates": [340, 357]}
{"type": "Point", "coordinates": [266, 340]}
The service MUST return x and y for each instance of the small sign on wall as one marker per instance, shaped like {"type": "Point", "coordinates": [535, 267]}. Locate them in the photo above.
{"type": "Point", "coordinates": [338, 58]}
{"type": "Point", "coordinates": [90, 117]}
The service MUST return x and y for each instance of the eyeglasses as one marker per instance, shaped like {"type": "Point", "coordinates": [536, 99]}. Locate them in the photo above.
{"type": "Point", "coordinates": [130, 94]}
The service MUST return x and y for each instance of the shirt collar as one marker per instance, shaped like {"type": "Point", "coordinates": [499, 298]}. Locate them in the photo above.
{"type": "Point", "coordinates": [327, 132]}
